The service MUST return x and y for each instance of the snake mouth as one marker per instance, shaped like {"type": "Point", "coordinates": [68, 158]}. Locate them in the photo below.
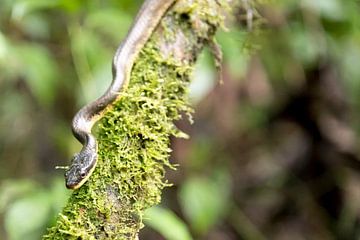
{"type": "Point", "coordinates": [77, 185]}
{"type": "Point", "coordinates": [72, 186]}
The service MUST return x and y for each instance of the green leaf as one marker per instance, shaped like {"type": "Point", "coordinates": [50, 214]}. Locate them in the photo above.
{"type": "Point", "coordinates": [328, 8]}
{"type": "Point", "coordinates": [305, 45]}
{"type": "Point", "coordinates": [167, 223]}
{"type": "Point", "coordinates": [27, 217]}
{"type": "Point", "coordinates": [204, 201]}
{"type": "Point", "coordinates": [203, 79]}
{"type": "Point", "coordinates": [35, 26]}
{"type": "Point", "coordinates": [109, 17]}
{"type": "Point", "coordinates": [235, 50]}
{"type": "Point", "coordinates": [21, 8]}
{"type": "Point", "coordinates": [90, 57]}
{"type": "Point", "coordinates": [58, 193]}
{"type": "Point", "coordinates": [3, 47]}
{"type": "Point", "coordinates": [39, 70]}
{"type": "Point", "coordinates": [9, 190]}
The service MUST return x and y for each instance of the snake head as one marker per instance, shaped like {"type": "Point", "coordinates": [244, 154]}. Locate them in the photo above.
{"type": "Point", "coordinates": [83, 164]}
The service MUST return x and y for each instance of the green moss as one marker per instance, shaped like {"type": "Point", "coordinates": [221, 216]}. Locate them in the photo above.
{"type": "Point", "coordinates": [133, 136]}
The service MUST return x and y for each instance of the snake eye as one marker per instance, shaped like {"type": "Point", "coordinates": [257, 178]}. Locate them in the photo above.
{"type": "Point", "coordinates": [82, 175]}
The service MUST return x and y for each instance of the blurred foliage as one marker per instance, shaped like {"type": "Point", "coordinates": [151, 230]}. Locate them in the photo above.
{"type": "Point", "coordinates": [167, 223]}
{"type": "Point", "coordinates": [204, 200]}
{"type": "Point", "coordinates": [269, 151]}
{"type": "Point", "coordinates": [27, 207]}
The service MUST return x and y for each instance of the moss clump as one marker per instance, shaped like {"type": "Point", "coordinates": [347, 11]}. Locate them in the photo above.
{"type": "Point", "coordinates": [133, 136]}
{"type": "Point", "coordinates": [133, 140]}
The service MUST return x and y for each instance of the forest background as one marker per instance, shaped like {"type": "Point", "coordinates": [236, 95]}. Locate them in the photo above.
{"type": "Point", "coordinates": [273, 152]}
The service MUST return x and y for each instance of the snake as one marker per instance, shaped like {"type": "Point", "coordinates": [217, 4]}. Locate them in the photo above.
{"type": "Point", "coordinates": [83, 163]}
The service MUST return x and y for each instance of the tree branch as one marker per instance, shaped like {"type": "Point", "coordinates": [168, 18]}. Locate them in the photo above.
{"type": "Point", "coordinates": [134, 135]}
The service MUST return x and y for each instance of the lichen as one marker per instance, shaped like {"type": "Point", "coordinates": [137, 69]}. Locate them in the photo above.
{"type": "Point", "coordinates": [133, 136]}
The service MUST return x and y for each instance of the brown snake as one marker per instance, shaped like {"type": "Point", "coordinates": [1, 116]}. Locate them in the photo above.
{"type": "Point", "coordinates": [84, 162]}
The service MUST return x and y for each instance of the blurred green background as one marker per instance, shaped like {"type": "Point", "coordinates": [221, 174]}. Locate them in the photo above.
{"type": "Point", "coordinates": [273, 152]}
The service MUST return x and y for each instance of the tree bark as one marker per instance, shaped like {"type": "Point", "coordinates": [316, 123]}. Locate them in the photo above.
{"type": "Point", "coordinates": [134, 135]}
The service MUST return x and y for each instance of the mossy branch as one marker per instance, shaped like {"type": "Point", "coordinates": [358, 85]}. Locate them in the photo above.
{"type": "Point", "coordinates": [134, 135]}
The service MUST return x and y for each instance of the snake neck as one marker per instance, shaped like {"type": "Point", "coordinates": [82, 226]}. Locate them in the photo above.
{"type": "Point", "coordinates": [82, 124]}
{"type": "Point", "coordinates": [90, 143]}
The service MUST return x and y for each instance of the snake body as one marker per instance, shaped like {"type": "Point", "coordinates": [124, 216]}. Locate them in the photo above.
{"type": "Point", "coordinates": [84, 162]}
